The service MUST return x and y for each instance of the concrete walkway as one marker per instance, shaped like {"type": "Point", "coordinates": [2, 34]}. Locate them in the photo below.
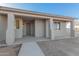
{"type": "Point", "coordinates": [30, 49]}
{"type": "Point", "coordinates": [62, 47]}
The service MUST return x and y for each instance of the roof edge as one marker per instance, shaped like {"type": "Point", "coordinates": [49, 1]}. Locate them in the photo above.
{"type": "Point", "coordinates": [34, 12]}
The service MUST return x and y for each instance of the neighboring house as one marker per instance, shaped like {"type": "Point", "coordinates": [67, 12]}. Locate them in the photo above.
{"type": "Point", "coordinates": [17, 23]}
{"type": "Point", "coordinates": [76, 27]}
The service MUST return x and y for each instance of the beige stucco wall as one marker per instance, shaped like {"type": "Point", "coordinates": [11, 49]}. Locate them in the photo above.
{"type": "Point", "coordinates": [33, 29]}
{"type": "Point", "coordinates": [19, 32]}
{"type": "Point", "coordinates": [24, 29]}
{"type": "Point", "coordinates": [39, 28]}
{"type": "Point", "coordinates": [3, 25]}
{"type": "Point", "coordinates": [63, 32]}
{"type": "Point", "coordinates": [42, 29]}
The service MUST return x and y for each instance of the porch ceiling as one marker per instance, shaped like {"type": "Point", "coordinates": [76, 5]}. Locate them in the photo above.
{"type": "Point", "coordinates": [60, 20]}
{"type": "Point", "coordinates": [28, 18]}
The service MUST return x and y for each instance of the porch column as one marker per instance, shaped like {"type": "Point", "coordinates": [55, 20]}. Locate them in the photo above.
{"type": "Point", "coordinates": [47, 28]}
{"type": "Point", "coordinates": [10, 34]}
{"type": "Point", "coordinates": [72, 29]}
{"type": "Point", "coordinates": [51, 29]}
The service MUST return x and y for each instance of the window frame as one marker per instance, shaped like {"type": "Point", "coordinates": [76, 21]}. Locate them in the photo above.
{"type": "Point", "coordinates": [57, 24]}
{"type": "Point", "coordinates": [17, 24]}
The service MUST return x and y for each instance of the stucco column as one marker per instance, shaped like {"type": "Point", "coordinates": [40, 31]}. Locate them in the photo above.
{"type": "Point", "coordinates": [47, 28]}
{"type": "Point", "coordinates": [51, 29]}
{"type": "Point", "coordinates": [10, 34]}
{"type": "Point", "coordinates": [72, 29]}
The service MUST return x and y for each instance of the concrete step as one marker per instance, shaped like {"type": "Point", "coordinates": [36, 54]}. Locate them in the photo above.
{"type": "Point", "coordinates": [30, 49]}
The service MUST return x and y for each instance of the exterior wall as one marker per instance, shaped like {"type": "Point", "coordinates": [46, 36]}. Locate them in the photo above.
{"type": "Point", "coordinates": [39, 28]}
{"type": "Point", "coordinates": [19, 32]}
{"type": "Point", "coordinates": [32, 29]}
{"type": "Point", "coordinates": [63, 32]}
{"type": "Point", "coordinates": [24, 29]}
{"type": "Point", "coordinates": [3, 25]}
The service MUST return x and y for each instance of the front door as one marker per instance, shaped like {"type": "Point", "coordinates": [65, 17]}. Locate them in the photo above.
{"type": "Point", "coordinates": [28, 29]}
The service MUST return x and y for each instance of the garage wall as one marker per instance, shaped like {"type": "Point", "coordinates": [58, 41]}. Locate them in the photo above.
{"type": "Point", "coordinates": [3, 26]}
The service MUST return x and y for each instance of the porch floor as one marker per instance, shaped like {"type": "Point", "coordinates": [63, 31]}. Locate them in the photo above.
{"type": "Point", "coordinates": [36, 39]}
{"type": "Point", "coordinates": [29, 39]}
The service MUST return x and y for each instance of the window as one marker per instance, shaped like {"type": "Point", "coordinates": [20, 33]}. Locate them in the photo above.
{"type": "Point", "coordinates": [57, 25]}
{"type": "Point", "coordinates": [17, 24]}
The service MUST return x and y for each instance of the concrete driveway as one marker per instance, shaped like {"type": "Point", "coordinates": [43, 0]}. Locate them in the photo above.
{"type": "Point", "coordinates": [63, 47]}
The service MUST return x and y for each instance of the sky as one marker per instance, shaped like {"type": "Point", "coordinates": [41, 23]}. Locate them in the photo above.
{"type": "Point", "coordinates": [64, 9]}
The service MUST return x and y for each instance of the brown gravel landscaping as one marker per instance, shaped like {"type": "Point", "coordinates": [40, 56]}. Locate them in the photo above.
{"type": "Point", "coordinates": [12, 50]}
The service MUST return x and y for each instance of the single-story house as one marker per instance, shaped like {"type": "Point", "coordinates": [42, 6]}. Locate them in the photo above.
{"type": "Point", "coordinates": [18, 23]}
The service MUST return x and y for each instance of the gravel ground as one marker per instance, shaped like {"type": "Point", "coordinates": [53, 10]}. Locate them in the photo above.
{"type": "Point", "coordinates": [12, 50]}
{"type": "Point", "coordinates": [65, 47]}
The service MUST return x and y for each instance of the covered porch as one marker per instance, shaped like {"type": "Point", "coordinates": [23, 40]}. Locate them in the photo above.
{"type": "Point", "coordinates": [20, 28]}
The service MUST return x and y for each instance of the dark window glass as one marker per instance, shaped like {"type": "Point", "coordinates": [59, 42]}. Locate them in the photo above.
{"type": "Point", "coordinates": [57, 25]}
